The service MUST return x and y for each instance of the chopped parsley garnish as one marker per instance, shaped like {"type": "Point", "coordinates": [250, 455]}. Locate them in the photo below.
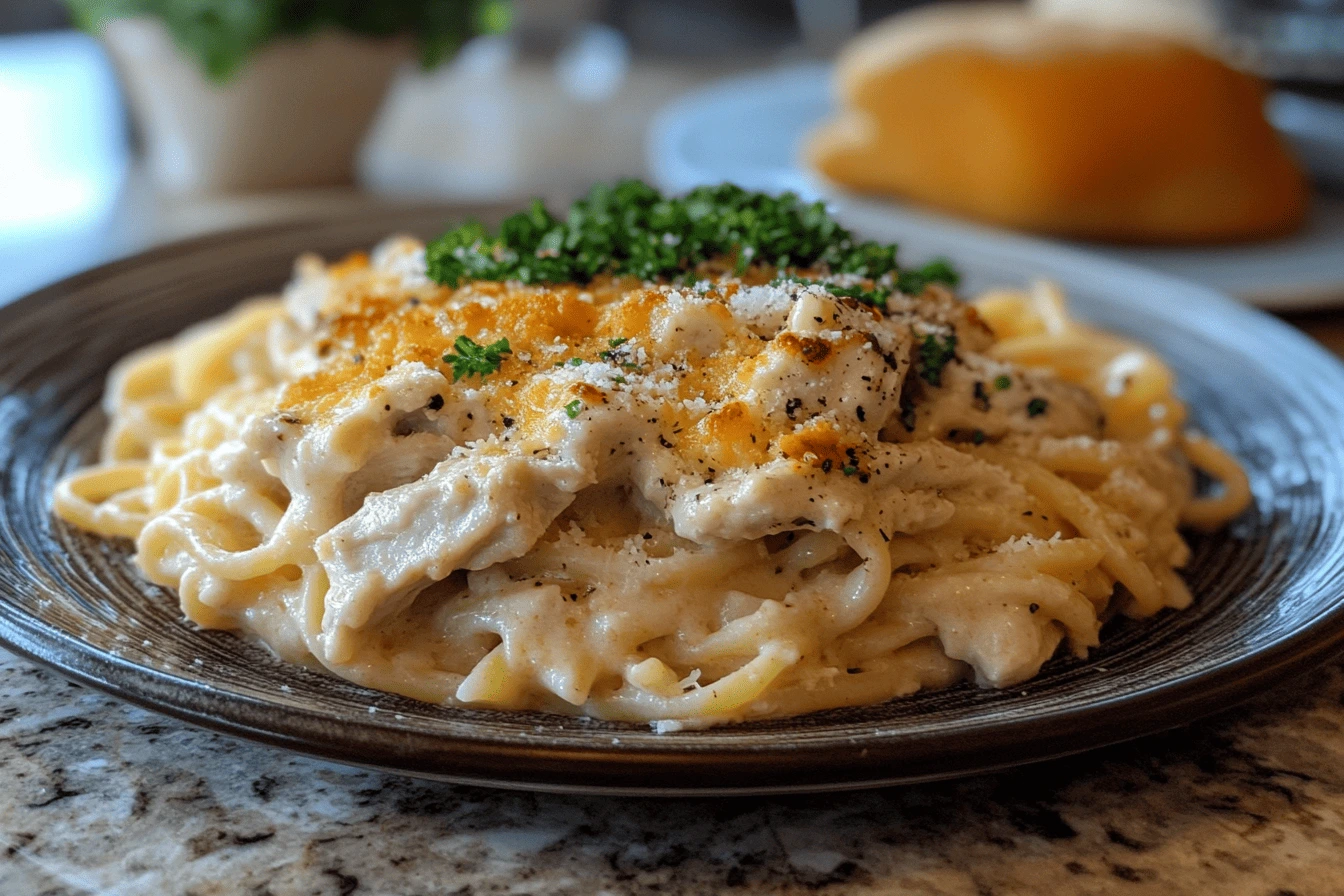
{"type": "Point", "coordinates": [908, 415]}
{"type": "Point", "coordinates": [934, 353]}
{"type": "Point", "coordinates": [573, 409]}
{"type": "Point", "coordinates": [575, 362]}
{"type": "Point", "coordinates": [875, 297]}
{"type": "Point", "coordinates": [1036, 407]}
{"type": "Point", "coordinates": [1002, 381]}
{"type": "Point", "coordinates": [978, 437]}
{"type": "Point", "coordinates": [631, 228]}
{"type": "Point", "coordinates": [939, 270]}
{"type": "Point", "coordinates": [473, 358]}
{"type": "Point", "coordinates": [849, 469]}
{"type": "Point", "coordinates": [614, 351]}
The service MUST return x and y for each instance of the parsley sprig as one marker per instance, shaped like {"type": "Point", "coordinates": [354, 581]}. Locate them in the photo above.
{"type": "Point", "coordinates": [472, 358]}
{"type": "Point", "coordinates": [631, 228]}
{"type": "Point", "coordinates": [934, 353]}
{"type": "Point", "coordinates": [939, 270]}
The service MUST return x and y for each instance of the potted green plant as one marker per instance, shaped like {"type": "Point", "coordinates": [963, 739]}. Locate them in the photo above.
{"type": "Point", "coordinates": [232, 95]}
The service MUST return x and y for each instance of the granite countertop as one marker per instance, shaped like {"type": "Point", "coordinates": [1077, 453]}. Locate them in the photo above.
{"type": "Point", "coordinates": [97, 796]}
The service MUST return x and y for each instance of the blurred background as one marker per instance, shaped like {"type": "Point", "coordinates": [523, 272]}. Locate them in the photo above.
{"type": "Point", "coordinates": [129, 123]}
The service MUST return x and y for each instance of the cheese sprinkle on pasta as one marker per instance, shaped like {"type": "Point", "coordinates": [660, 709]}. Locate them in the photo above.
{"type": "Point", "coordinates": [741, 493]}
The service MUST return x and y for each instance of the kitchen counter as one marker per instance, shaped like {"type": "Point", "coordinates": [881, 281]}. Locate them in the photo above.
{"type": "Point", "coordinates": [97, 796]}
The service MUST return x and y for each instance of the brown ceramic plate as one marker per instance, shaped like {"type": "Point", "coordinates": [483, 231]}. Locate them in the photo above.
{"type": "Point", "coordinates": [1268, 590]}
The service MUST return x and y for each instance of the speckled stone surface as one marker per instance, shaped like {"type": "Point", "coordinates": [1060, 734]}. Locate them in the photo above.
{"type": "Point", "coordinates": [97, 796]}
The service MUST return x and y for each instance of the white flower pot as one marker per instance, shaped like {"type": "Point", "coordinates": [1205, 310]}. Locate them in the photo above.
{"type": "Point", "coordinates": [292, 116]}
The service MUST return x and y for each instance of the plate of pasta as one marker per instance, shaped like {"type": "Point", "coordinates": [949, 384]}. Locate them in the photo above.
{"type": "Point", "coordinates": [664, 494]}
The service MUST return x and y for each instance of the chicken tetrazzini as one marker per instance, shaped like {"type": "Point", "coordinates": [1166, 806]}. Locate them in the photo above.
{"type": "Point", "coordinates": [754, 473]}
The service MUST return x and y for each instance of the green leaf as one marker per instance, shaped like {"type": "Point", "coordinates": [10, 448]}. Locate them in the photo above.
{"type": "Point", "coordinates": [221, 35]}
{"type": "Point", "coordinates": [934, 353]}
{"type": "Point", "coordinates": [939, 270]}
{"type": "Point", "coordinates": [473, 358]}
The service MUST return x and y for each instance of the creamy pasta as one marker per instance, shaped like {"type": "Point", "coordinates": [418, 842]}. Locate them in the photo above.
{"type": "Point", "coordinates": [742, 495]}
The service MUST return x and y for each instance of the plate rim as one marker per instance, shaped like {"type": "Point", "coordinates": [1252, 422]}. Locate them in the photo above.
{"type": "Point", "coordinates": [1168, 705]}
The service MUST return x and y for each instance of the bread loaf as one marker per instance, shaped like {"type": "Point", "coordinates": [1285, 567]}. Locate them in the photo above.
{"type": "Point", "coordinates": [1059, 127]}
